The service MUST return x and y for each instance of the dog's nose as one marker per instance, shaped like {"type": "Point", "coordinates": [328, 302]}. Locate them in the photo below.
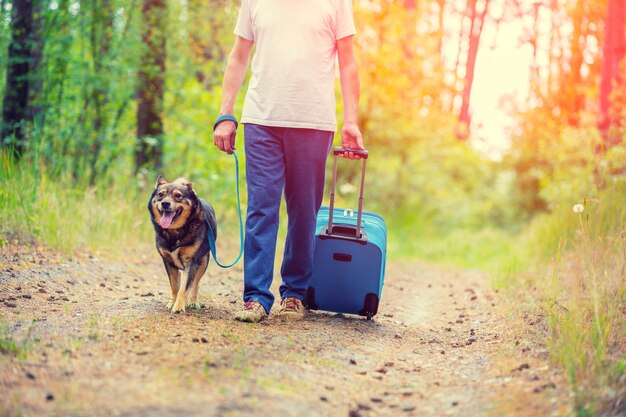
{"type": "Point", "coordinates": [166, 204]}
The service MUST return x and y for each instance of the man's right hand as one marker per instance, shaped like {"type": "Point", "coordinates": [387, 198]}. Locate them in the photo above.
{"type": "Point", "coordinates": [224, 136]}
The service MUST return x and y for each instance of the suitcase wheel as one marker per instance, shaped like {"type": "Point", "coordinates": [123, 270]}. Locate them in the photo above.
{"type": "Point", "coordinates": [370, 306]}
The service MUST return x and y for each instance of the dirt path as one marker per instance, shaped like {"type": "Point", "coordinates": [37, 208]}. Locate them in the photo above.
{"type": "Point", "coordinates": [95, 339]}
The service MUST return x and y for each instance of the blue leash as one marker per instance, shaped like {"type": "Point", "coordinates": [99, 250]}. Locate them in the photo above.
{"type": "Point", "coordinates": [211, 234]}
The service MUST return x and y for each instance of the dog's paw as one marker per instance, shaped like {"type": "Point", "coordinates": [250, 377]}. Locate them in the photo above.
{"type": "Point", "coordinates": [178, 308]}
{"type": "Point", "coordinates": [169, 304]}
{"type": "Point", "coordinates": [194, 306]}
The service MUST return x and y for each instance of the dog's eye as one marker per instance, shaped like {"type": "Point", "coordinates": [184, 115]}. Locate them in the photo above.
{"type": "Point", "coordinates": [178, 196]}
{"type": "Point", "coordinates": [161, 194]}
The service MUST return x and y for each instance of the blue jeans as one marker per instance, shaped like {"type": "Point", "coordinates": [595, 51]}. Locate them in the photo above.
{"type": "Point", "coordinates": [280, 158]}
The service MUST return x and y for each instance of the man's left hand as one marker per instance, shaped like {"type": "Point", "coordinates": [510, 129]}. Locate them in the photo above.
{"type": "Point", "coordinates": [351, 138]}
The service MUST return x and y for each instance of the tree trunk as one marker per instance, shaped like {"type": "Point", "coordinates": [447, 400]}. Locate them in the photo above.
{"type": "Point", "coordinates": [554, 67]}
{"type": "Point", "coordinates": [457, 61]}
{"type": "Point", "coordinates": [572, 98]}
{"type": "Point", "coordinates": [476, 28]}
{"type": "Point", "coordinates": [612, 85]}
{"type": "Point", "coordinates": [15, 106]}
{"type": "Point", "coordinates": [150, 90]}
{"type": "Point", "coordinates": [100, 39]}
{"type": "Point", "coordinates": [36, 77]}
{"type": "Point", "coordinates": [446, 94]}
{"type": "Point", "coordinates": [440, 28]}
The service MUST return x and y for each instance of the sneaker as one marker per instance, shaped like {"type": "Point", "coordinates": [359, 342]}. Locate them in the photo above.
{"type": "Point", "coordinates": [252, 312]}
{"type": "Point", "coordinates": [291, 308]}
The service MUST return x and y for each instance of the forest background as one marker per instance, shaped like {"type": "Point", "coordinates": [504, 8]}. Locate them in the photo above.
{"type": "Point", "coordinates": [99, 96]}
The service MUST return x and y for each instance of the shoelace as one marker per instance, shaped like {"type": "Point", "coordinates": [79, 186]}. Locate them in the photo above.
{"type": "Point", "coordinates": [291, 303]}
{"type": "Point", "coordinates": [249, 305]}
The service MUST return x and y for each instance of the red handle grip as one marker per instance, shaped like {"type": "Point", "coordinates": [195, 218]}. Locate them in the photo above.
{"type": "Point", "coordinates": [360, 152]}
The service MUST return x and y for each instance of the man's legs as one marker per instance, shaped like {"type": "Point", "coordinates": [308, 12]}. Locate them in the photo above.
{"type": "Point", "coordinates": [265, 179]}
{"type": "Point", "coordinates": [305, 151]}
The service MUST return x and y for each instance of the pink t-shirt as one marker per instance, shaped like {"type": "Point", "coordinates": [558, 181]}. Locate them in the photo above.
{"type": "Point", "coordinates": [293, 68]}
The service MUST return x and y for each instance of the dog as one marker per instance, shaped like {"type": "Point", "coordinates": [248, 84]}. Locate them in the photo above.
{"type": "Point", "coordinates": [180, 218]}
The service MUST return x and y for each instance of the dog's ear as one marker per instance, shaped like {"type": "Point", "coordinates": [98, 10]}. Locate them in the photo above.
{"type": "Point", "coordinates": [160, 181]}
{"type": "Point", "coordinates": [189, 186]}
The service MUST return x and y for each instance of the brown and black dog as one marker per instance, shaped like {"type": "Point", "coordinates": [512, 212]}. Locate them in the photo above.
{"type": "Point", "coordinates": [180, 219]}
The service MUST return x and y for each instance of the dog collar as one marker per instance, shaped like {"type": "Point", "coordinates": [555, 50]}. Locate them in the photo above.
{"type": "Point", "coordinates": [225, 117]}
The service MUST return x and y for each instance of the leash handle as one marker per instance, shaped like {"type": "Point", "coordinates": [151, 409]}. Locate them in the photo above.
{"type": "Point", "coordinates": [211, 233]}
{"type": "Point", "coordinates": [225, 117]}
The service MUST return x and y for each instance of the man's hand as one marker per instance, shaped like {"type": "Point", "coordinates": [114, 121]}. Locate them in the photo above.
{"type": "Point", "coordinates": [224, 136]}
{"type": "Point", "coordinates": [351, 138]}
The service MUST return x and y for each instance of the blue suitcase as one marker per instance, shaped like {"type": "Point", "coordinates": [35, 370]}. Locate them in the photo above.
{"type": "Point", "coordinates": [349, 259]}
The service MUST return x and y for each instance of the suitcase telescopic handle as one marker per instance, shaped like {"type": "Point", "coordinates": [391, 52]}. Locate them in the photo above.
{"type": "Point", "coordinates": [360, 152]}
{"type": "Point", "coordinates": [363, 154]}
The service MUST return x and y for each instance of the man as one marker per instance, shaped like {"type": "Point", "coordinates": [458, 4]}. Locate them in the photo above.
{"type": "Point", "coordinates": [289, 118]}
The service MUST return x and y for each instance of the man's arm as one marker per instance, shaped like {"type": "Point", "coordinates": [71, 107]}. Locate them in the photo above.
{"type": "Point", "coordinates": [350, 89]}
{"type": "Point", "coordinates": [224, 135]}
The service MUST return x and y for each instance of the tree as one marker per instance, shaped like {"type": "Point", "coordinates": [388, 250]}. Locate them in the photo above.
{"type": "Point", "coordinates": [477, 21]}
{"type": "Point", "coordinates": [440, 27]}
{"type": "Point", "coordinates": [151, 82]}
{"type": "Point", "coordinates": [612, 84]}
{"type": "Point", "coordinates": [209, 36]}
{"type": "Point", "coordinates": [36, 77]}
{"type": "Point", "coordinates": [100, 37]}
{"type": "Point", "coordinates": [24, 56]}
{"type": "Point", "coordinates": [571, 94]}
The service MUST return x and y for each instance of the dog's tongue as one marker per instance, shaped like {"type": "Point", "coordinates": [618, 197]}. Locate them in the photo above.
{"type": "Point", "coordinates": [166, 219]}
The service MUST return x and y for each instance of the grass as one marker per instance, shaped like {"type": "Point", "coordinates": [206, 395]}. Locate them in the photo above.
{"type": "Point", "coordinates": [567, 268]}
{"type": "Point", "coordinates": [8, 345]}
{"type": "Point", "coordinates": [68, 214]}
{"type": "Point", "coordinates": [93, 327]}
{"type": "Point", "coordinates": [487, 249]}
{"type": "Point", "coordinates": [72, 345]}
{"type": "Point", "coordinates": [575, 279]}
{"type": "Point", "coordinates": [12, 347]}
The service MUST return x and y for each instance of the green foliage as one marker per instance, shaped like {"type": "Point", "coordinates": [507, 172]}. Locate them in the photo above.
{"type": "Point", "coordinates": [85, 138]}
{"type": "Point", "coordinates": [575, 279]}
{"type": "Point", "coordinates": [8, 346]}
{"type": "Point", "coordinates": [5, 37]}
{"type": "Point", "coordinates": [12, 347]}
{"type": "Point", "coordinates": [401, 74]}
{"type": "Point", "coordinates": [554, 165]}
{"type": "Point", "coordinates": [444, 202]}
{"type": "Point", "coordinates": [68, 214]}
